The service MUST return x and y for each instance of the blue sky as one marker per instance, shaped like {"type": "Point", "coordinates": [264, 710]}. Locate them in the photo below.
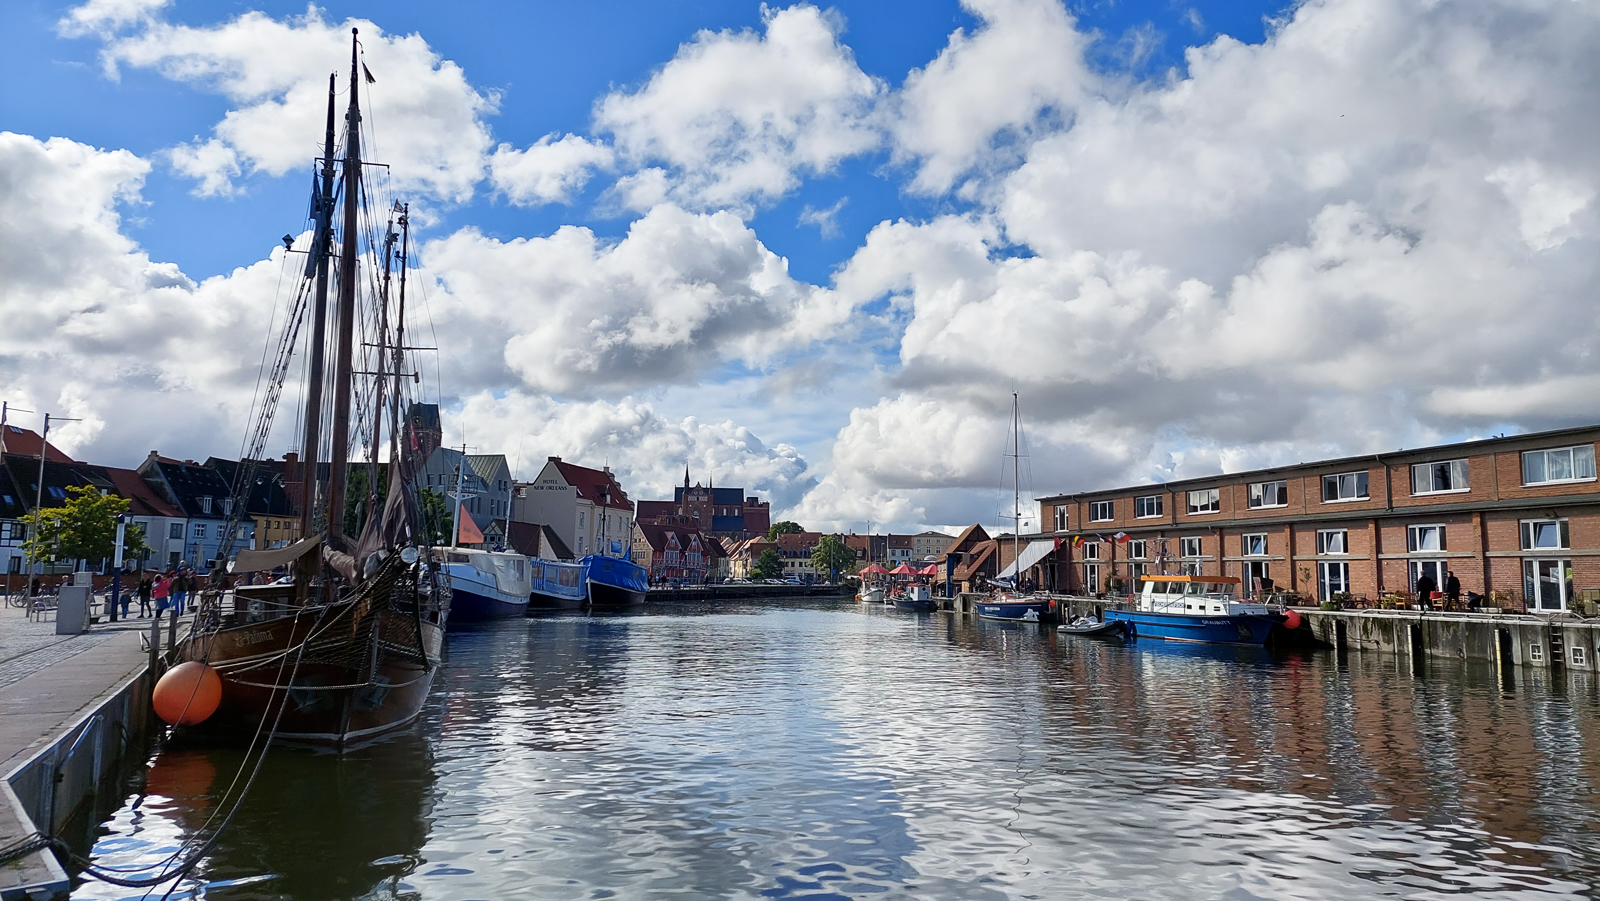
{"type": "Point", "coordinates": [815, 249]}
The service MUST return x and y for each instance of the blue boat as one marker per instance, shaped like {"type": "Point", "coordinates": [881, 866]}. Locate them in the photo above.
{"type": "Point", "coordinates": [1196, 608]}
{"type": "Point", "coordinates": [486, 584]}
{"type": "Point", "coordinates": [613, 582]}
{"type": "Point", "coordinates": [1017, 610]}
{"type": "Point", "coordinates": [555, 586]}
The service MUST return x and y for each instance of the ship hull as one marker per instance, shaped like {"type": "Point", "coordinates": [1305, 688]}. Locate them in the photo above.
{"type": "Point", "coordinates": [1250, 629]}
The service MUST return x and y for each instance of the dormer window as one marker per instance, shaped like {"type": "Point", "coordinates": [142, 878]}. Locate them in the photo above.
{"type": "Point", "coordinates": [205, 505]}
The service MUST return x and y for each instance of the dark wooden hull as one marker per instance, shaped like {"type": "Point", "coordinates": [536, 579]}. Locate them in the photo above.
{"type": "Point", "coordinates": [358, 676]}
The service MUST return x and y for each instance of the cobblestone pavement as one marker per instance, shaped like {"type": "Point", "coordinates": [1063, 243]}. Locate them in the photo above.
{"type": "Point", "coordinates": [27, 646]}
{"type": "Point", "coordinates": [24, 665]}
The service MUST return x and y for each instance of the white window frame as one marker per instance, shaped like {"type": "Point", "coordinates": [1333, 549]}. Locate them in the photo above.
{"type": "Point", "coordinates": [1205, 501]}
{"type": "Point", "coordinates": [1529, 530]}
{"type": "Point", "coordinates": [1109, 508]}
{"type": "Point", "coordinates": [1359, 483]}
{"type": "Point", "coordinates": [1245, 541]}
{"type": "Point", "coordinates": [1091, 550]}
{"type": "Point", "coordinates": [1137, 549]}
{"type": "Point", "coordinates": [1577, 455]}
{"type": "Point", "coordinates": [1183, 548]}
{"type": "Point", "coordinates": [1333, 577]}
{"type": "Point", "coordinates": [1415, 533]}
{"type": "Point", "coordinates": [1061, 519]}
{"type": "Point", "coordinates": [1258, 494]}
{"type": "Point", "coordinates": [1141, 509]}
{"type": "Point", "coordinates": [1454, 472]}
{"type": "Point", "coordinates": [1579, 658]}
{"type": "Point", "coordinates": [1091, 577]}
{"type": "Point", "coordinates": [1190, 568]}
{"type": "Point", "coordinates": [1325, 542]}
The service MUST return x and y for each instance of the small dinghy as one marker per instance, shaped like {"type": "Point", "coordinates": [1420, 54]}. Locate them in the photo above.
{"type": "Point", "coordinates": [1092, 628]}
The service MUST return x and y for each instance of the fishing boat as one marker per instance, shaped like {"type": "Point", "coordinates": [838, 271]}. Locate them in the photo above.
{"type": "Point", "coordinates": [613, 582]}
{"type": "Point", "coordinates": [345, 648]}
{"type": "Point", "coordinates": [1011, 605]}
{"type": "Point", "coordinates": [486, 584]}
{"type": "Point", "coordinates": [870, 594]}
{"type": "Point", "coordinates": [556, 586]}
{"type": "Point", "coordinates": [917, 598]}
{"type": "Point", "coordinates": [1196, 608]}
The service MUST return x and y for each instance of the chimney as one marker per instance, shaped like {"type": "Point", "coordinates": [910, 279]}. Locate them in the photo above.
{"type": "Point", "coordinates": [291, 467]}
{"type": "Point", "coordinates": [553, 459]}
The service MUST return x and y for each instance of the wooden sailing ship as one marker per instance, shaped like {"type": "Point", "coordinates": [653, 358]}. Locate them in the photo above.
{"type": "Point", "coordinates": [346, 647]}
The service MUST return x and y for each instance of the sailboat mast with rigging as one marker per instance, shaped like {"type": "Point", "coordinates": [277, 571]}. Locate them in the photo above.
{"type": "Point", "coordinates": [348, 648]}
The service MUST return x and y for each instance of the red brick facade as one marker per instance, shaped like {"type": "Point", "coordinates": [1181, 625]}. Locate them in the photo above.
{"type": "Point", "coordinates": [1464, 508]}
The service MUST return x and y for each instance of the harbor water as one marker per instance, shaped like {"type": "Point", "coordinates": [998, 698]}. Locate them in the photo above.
{"type": "Point", "coordinates": [836, 751]}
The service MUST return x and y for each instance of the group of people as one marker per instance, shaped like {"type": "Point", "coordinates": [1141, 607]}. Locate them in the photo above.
{"type": "Point", "coordinates": [1426, 586]}
{"type": "Point", "coordinates": [173, 589]}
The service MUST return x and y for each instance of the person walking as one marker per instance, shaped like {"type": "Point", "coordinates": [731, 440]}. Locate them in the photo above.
{"type": "Point", "coordinates": [180, 592]}
{"type": "Point", "coordinates": [144, 596]}
{"type": "Point", "coordinates": [161, 592]}
{"type": "Point", "coordinates": [1452, 591]}
{"type": "Point", "coordinates": [1425, 589]}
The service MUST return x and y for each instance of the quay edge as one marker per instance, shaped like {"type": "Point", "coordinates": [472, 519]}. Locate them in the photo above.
{"type": "Point", "coordinates": [1514, 639]}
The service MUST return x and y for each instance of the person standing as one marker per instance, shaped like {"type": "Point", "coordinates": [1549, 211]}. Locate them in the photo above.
{"type": "Point", "coordinates": [161, 591]}
{"type": "Point", "coordinates": [1425, 589]}
{"type": "Point", "coordinates": [180, 592]}
{"type": "Point", "coordinates": [144, 596]}
{"type": "Point", "coordinates": [1452, 591]}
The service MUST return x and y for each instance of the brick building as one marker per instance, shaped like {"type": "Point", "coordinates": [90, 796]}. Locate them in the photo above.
{"type": "Point", "coordinates": [1517, 514]}
{"type": "Point", "coordinates": [721, 512]}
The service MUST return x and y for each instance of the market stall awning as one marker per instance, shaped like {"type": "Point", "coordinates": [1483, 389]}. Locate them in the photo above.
{"type": "Point", "coordinates": [903, 569]}
{"type": "Point", "coordinates": [932, 569]}
{"type": "Point", "coordinates": [873, 569]}
{"type": "Point", "coordinates": [1033, 553]}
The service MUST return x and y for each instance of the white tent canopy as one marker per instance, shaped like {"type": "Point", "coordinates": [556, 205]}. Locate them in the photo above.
{"type": "Point", "coordinates": [1033, 553]}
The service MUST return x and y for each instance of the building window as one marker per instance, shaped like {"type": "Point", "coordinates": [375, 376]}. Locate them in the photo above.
{"type": "Point", "coordinates": [1544, 533]}
{"type": "Point", "coordinates": [227, 506]}
{"type": "Point", "coordinates": [1333, 541]}
{"type": "Point", "coordinates": [11, 533]}
{"type": "Point", "coordinates": [1189, 569]}
{"type": "Point", "coordinates": [205, 505]}
{"type": "Point", "coordinates": [1423, 539]}
{"type": "Point", "coordinates": [1189, 547]}
{"type": "Point", "coordinates": [199, 530]}
{"type": "Point", "coordinates": [1254, 545]}
{"type": "Point", "coordinates": [1579, 658]}
{"type": "Point", "coordinates": [1438, 478]}
{"type": "Point", "coordinates": [1147, 507]}
{"type": "Point", "coordinates": [1564, 464]}
{"type": "Point", "coordinates": [1347, 486]}
{"type": "Point", "coordinates": [1536, 652]}
{"type": "Point", "coordinates": [1136, 549]}
{"type": "Point", "coordinates": [1091, 578]}
{"type": "Point", "coordinates": [1061, 519]}
{"type": "Point", "coordinates": [1101, 511]}
{"type": "Point", "coordinates": [1091, 550]}
{"type": "Point", "coordinates": [175, 530]}
{"type": "Point", "coordinates": [1206, 500]}
{"type": "Point", "coordinates": [1269, 494]}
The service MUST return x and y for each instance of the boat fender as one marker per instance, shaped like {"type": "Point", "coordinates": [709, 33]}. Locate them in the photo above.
{"type": "Point", "coordinates": [1129, 628]}
{"type": "Point", "coordinates": [1292, 620]}
{"type": "Point", "coordinates": [187, 694]}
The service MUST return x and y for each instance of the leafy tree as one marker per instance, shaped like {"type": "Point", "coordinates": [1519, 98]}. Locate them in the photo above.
{"type": "Point", "coordinates": [768, 566]}
{"type": "Point", "coordinates": [84, 528]}
{"type": "Point", "coordinates": [355, 494]}
{"type": "Point", "coordinates": [783, 528]}
{"type": "Point", "coordinates": [831, 556]}
{"type": "Point", "coordinates": [437, 516]}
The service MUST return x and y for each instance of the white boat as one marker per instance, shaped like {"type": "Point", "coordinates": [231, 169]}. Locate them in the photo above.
{"type": "Point", "coordinates": [486, 584]}
{"type": "Point", "coordinates": [870, 595]}
{"type": "Point", "coordinates": [1196, 608]}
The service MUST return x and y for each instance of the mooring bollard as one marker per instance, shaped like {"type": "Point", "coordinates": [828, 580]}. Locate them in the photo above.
{"type": "Point", "coordinates": [172, 630]}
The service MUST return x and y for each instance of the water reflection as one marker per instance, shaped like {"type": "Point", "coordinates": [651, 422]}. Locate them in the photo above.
{"type": "Point", "coordinates": [847, 752]}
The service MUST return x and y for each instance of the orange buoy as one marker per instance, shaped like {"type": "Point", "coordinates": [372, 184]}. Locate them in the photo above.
{"type": "Point", "coordinates": [1291, 620]}
{"type": "Point", "coordinates": [187, 694]}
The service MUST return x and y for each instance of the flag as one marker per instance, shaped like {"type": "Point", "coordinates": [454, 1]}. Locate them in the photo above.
{"type": "Point", "coordinates": [1077, 540]}
{"type": "Point", "coordinates": [368, 72]}
{"type": "Point", "coordinates": [1058, 542]}
{"type": "Point", "coordinates": [470, 533]}
{"type": "Point", "coordinates": [1120, 537]}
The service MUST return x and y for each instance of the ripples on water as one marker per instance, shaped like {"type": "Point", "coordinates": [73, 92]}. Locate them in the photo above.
{"type": "Point", "coordinates": [843, 752]}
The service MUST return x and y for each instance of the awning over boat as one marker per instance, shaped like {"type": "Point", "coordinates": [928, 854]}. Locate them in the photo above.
{"type": "Point", "coordinates": [268, 560]}
{"type": "Point", "coordinates": [903, 569]}
{"type": "Point", "coordinates": [1033, 553]}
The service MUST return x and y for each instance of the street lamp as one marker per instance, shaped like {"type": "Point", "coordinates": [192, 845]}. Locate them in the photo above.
{"type": "Point", "coordinates": [116, 565]}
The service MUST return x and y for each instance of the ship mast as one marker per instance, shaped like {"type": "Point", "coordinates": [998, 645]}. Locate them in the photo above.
{"type": "Point", "coordinates": [321, 251]}
{"type": "Point", "coordinates": [339, 463]}
{"type": "Point", "coordinates": [1016, 493]}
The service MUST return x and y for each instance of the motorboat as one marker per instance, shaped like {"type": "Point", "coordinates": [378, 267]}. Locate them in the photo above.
{"type": "Point", "coordinates": [1089, 627]}
{"type": "Point", "coordinates": [486, 584]}
{"type": "Point", "coordinates": [1196, 608]}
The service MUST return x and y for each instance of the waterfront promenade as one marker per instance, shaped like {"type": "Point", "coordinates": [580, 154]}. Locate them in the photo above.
{"type": "Point", "coordinates": [49, 682]}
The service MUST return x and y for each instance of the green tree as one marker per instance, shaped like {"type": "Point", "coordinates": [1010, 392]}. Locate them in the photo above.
{"type": "Point", "coordinates": [783, 528]}
{"type": "Point", "coordinates": [768, 566]}
{"type": "Point", "coordinates": [84, 528]}
{"type": "Point", "coordinates": [356, 499]}
{"type": "Point", "coordinates": [436, 516]}
{"type": "Point", "coordinates": [831, 556]}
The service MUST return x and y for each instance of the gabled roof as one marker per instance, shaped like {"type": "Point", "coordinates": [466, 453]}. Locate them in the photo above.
{"type": "Point", "coordinates": [191, 483]}
{"type": "Point", "coordinates": [142, 499]}
{"type": "Point", "coordinates": [25, 443]}
{"type": "Point", "coordinates": [267, 497]}
{"type": "Point", "coordinates": [659, 537]}
{"type": "Point", "coordinates": [597, 487]}
{"type": "Point", "coordinates": [650, 511]}
{"type": "Point", "coordinates": [488, 466]}
{"type": "Point", "coordinates": [798, 541]}
{"type": "Point", "coordinates": [531, 539]}
{"type": "Point", "coordinates": [57, 478]}
{"type": "Point", "coordinates": [971, 534]}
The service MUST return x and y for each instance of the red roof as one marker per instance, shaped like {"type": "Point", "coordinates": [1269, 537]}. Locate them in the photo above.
{"type": "Point", "coordinates": [142, 499]}
{"type": "Point", "coordinates": [25, 443]}
{"type": "Point", "coordinates": [595, 486]}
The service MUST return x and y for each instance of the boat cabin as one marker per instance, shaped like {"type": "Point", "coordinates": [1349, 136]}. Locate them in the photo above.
{"type": "Point", "coordinates": [1193, 596]}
